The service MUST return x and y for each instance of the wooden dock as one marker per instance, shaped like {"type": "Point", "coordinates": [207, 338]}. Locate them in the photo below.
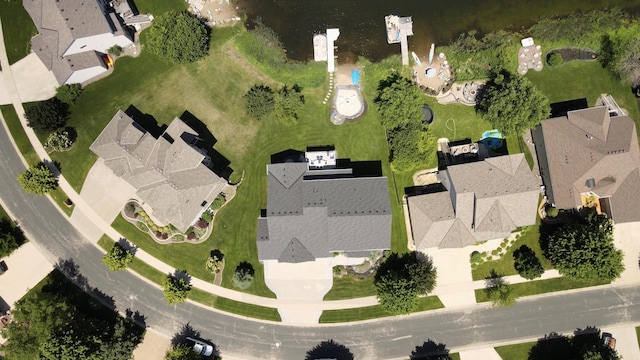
{"type": "Point", "coordinates": [398, 29]}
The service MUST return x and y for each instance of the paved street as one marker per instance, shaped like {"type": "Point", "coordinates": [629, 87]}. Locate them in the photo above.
{"type": "Point", "coordinates": [459, 329]}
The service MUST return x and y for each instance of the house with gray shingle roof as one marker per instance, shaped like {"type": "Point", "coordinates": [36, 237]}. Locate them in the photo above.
{"type": "Point", "coordinates": [591, 153]}
{"type": "Point", "coordinates": [74, 35]}
{"type": "Point", "coordinates": [314, 211]}
{"type": "Point", "coordinates": [168, 173]}
{"type": "Point", "coordinates": [477, 201]}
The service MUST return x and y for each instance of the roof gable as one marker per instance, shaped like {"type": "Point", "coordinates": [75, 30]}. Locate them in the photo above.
{"type": "Point", "coordinates": [594, 121]}
{"type": "Point", "coordinates": [496, 220]}
{"type": "Point", "coordinates": [295, 252]}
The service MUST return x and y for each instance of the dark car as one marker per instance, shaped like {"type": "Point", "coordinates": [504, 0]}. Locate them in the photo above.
{"type": "Point", "coordinates": [3, 267]}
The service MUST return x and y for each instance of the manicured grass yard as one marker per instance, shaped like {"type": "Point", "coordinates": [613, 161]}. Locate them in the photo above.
{"type": "Point", "coordinates": [24, 145]}
{"type": "Point", "coordinates": [203, 297]}
{"type": "Point", "coordinates": [157, 8]}
{"type": "Point", "coordinates": [542, 287]}
{"type": "Point", "coordinates": [372, 312]}
{"type": "Point", "coordinates": [18, 29]}
{"type": "Point", "coordinates": [504, 265]}
{"type": "Point", "coordinates": [348, 287]}
{"type": "Point", "coordinates": [515, 351]}
{"type": "Point", "coordinates": [583, 79]}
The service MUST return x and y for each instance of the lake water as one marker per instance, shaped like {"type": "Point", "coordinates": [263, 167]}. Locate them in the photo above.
{"type": "Point", "coordinates": [362, 29]}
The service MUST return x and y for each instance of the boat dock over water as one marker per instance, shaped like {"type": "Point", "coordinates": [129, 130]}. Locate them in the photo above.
{"type": "Point", "coordinates": [398, 28]}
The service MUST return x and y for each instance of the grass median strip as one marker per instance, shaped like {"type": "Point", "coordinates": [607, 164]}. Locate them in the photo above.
{"type": "Point", "coordinates": [348, 287]}
{"type": "Point", "coordinates": [374, 312]}
{"type": "Point", "coordinates": [30, 155]}
{"type": "Point", "coordinates": [201, 296]}
{"type": "Point", "coordinates": [542, 287]}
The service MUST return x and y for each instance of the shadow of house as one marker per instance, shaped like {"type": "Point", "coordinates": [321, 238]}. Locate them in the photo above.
{"type": "Point", "coordinates": [561, 108]}
{"type": "Point", "coordinates": [289, 155]}
{"type": "Point", "coordinates": [146, 121]}
{"type": "Point", "coordinates": [206, 141]}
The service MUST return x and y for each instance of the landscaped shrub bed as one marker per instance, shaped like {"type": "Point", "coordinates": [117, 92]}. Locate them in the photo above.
{"type": "Point", "coordinates": [570, 54]}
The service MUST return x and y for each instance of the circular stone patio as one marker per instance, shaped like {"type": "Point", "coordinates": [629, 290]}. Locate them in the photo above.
{"type": "Point", "coordinates": [348, 103]}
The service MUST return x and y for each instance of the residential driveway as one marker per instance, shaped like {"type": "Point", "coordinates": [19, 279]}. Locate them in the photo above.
{"type": "Point", "coordinates": [153, 346]}
{"type": "Point", "coordinates": [626, 341]}
{"type": "Point", "coordinates": [476, 354]}
{"type": "Point", "coordinates": [33, 81]}
{"type": "Point", "coordinates": [627, 238]}
{"type": "Point", "coordinates": [309, 280]}
{"type": "Point", "coordinates": [27, 266]}
{"type": "Point", "coordinates": [106, 194]}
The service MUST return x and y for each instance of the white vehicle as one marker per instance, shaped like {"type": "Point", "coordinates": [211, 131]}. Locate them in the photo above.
{"type": "Point", "coordinates": [200, 347]}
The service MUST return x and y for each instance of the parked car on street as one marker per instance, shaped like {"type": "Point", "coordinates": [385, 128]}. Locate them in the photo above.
{"type": "Point", "coordinates": [608, 340]}
{"type": "Point", "coordinates": [200, 347]}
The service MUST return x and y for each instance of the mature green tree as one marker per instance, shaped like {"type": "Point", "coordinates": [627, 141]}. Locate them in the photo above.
{"type": "Point", "coordinates": [175, 289]}
{"type": "Point", "coordinates": [399, 102]}
{"type": "Point", "coordinates": [511, 103]}
{"type": "Point", "coordinates": [71, 344]}
{"type": "Point", "coordinates": [183, 352]}
{"type": "Point", "coordinates": [499, 292]}
{"type": "Point", "coordinates": [584, 250]}
{"type": "Point", "coordinates": [411, 146]}
{"type": "Point", "coordinates": [401, 279]}
{"type": "Point", "coordinates": [38, 179]}
{"type": "Point", "coordinates": [287, 102]}
{"type": "Point", "coordinates": [259, 101]}
{"type": "Point", "coordinates": [620, 53]}
{"type": "Point", "coordinates": [8, 244]}
{"type": "Point", "coordinates": [527, 263]}
{"type": "Point", "coordinates": [178, 37]}
{"type": "Point", "coordinates": [117, 258]}
{"type": "Point", "coordinates": [121, 343]}
{"type": "Point", "coordinates": [68, 93]}
{"type": "Point", "coordinates": [46, 115]}
{"type": "Point", "coordinates": [243, 275]}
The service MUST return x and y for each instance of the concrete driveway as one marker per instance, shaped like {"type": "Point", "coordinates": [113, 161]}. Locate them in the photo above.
{"type": "Point", "coordinates": [106, 194]}
{"type": "Point", "coordinates": [27, 266]}
{"type": "Point", "coordinates": [309, 280]}
{"type": "Point", "coordinates": [627, 238]}
{"type": "Point", "coordinates": [33, 81]}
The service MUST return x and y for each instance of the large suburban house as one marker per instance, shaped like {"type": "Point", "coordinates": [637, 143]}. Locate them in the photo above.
{"type": "Point", "coordinates": [74, 35]}
{"type": "Point", "coordinates": [590, 157]}
{"type": "Point", "coordinates": [473, 202]}
{"type": "Point", "coordinates": [169, 173]}
{"type": "Point", "coordinates": [315, 209]}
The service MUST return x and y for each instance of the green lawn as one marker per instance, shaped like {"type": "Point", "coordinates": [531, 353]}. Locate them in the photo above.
{"type": "Point", "coordinates": [583, 79]}
{"type": "Point", "coordinates": [157, 7]}
{"type": "Point", "coordinates": [348, 287]}
{"type": "Point", "coordinates": [373, 312]}
{"type": "Point", "coordinates": [18, 29]}
{"type": "Point", "coordinates": [638, 334]}
{"type": "Point", "coordinates": [515, 351]}
{"type": "Point", "coordinates": [504, 265]}
{"type": "Point", "coordinates": [542, 287]}
{"type": "Point", "coordinates": [454, 356]}
{"type": "Point", "coordinates": [203, 297]}
{"type": "Point", "coordinates": [24, 146]}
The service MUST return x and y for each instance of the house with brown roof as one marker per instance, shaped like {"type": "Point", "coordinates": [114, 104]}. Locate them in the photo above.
{"type": "Point", "coordinates": [473, 202]}
{"type": "Point", "coordinates": [168, 172]}
{"type": "Point", "coordinates": [591, 157]}
{"type": "Point", "coordinates": [74, 35]}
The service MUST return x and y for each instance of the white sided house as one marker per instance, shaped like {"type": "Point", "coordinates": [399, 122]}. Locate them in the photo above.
{"type": "Point", "coordinates": [74, 36]}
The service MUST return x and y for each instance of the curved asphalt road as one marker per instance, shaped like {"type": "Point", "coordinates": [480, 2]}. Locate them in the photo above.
{"type": "Point", "coordinates": [390, 338]}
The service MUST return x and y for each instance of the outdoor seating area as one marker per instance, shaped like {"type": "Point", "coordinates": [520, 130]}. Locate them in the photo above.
{"type": "Point", "coordinates": [434, 75]}
{"type": "Point", "coordinates": [529, 56]}
{"type": "Point", "coordinates": [348, 103]}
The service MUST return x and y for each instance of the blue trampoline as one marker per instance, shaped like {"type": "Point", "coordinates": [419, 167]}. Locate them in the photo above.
{"type": "Point", "coordinates": [492, 139]}
{"type": "Point", "coordinates": [355, 76]}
